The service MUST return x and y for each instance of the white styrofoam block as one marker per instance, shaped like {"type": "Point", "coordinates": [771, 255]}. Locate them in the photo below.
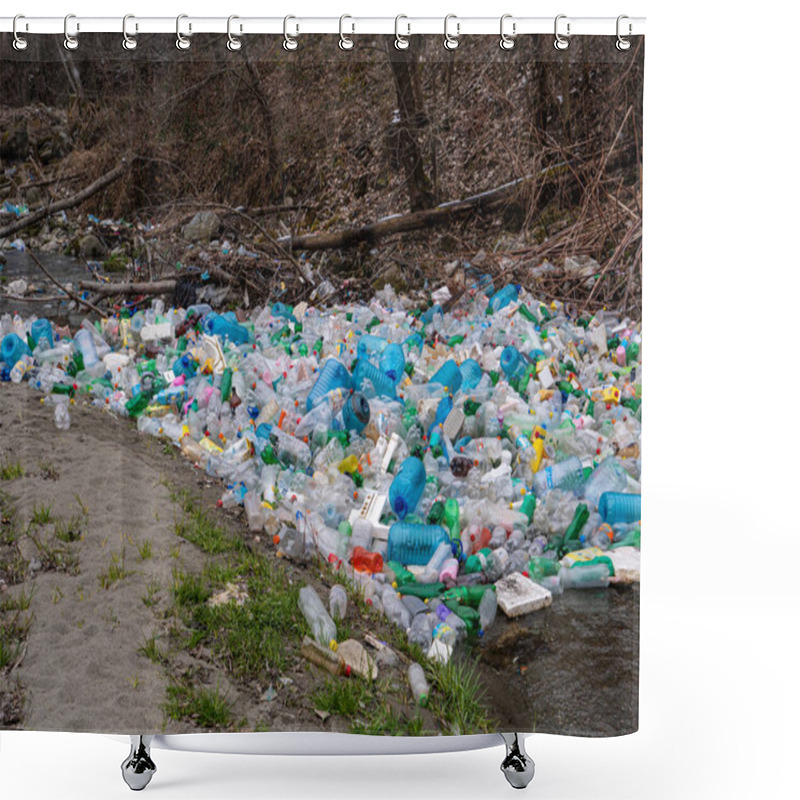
{"type": "Point", "coordinates": [113, 361]}
{"type": "Point", "coordinates": [627, 563]}
{"type": "Point", "coordinates": [518, 595]}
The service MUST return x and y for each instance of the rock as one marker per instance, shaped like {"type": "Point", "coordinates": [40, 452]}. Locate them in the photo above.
{"type": "Point", "coordinates": [356, 657]}
{"type": "Point", "coordinates": [203, 227]}
{"type": "Point", "coordinates": [91, 247]}
{"type": "Point", "coordinates": [518, 595]}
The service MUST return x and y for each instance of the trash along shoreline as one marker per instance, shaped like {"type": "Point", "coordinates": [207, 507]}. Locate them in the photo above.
{"type": "Point", "coordinates": [442, 469]}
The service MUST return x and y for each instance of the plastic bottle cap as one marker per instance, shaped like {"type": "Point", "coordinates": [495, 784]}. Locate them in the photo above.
{"type": "Point", "coordinates": [333, 645]}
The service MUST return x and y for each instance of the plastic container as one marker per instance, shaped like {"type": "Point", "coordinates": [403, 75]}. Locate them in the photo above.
{"type": "Point", "coordinates": [510, 361]}
{"type": "Point", "coordinates": [365, 561]}
{"type": "Point", "coordinates": [567, 475]}
{"type": "Point", "coordinates": [589, 576]}
{"type": "Point", "coordinates": [393, 362]}
{"type": "Point", "coordinates": [487, 608]}
{"type": "Point", "coordinates": [617, 507]}
{"type": "Point", "coordinates": [366, 373]}
{"type": "Point", "coordinates": [226, 327]}
{"type": "Point", "coordinates": [419, 686]}
{"type": "Point", "coordinates": [507, 295]}
{"type": "Point", "coordinates": [337, 602]}
{"type": "Point", "coordinates": [322, 626]}
{"type": "Point", "coordinates": [332, 376]}
{"type": "Point", "coordinates": [610, 476]}
{"type": "Point", "coordinates": [42, 330]}
{"type": "Point", "coordinates": [471, 374]}
{"type": "Point", "coordinates": [410, 543]}
{"type": "Point", "coordinates": [449, 376]}
{"type": "Point", "coordinates": [62, 417]}
{"type": "Point", "coordinates": [13, 348]}
{"type": "Point", "coordinates": [407, 487]}
{"type": "Point", "coordinates": [355, 413]}
{"type": "Point", "coordinates": [85, 343]}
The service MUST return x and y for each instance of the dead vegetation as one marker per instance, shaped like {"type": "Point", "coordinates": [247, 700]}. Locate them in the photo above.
{"type": "Point", "coordinates": [304, 156]}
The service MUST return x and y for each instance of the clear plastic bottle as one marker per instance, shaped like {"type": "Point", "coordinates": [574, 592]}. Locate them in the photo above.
{"type": "Point", "coordinates": [419, 685]}
{"type": "Point", "coordinates": [62, 417]}
{"type": "Point", "coordinates": [487, 608]}
{"type": "Point", "coordinates": [337, 602]}
{"type": "Point", "coordinates": [396, 612]}
{"type": "Point", "coordinates": [322, 626]}
{"type": "Point", "coordinates": [610, 476]}
{"type": "Point", "coordinates": [567, 475]}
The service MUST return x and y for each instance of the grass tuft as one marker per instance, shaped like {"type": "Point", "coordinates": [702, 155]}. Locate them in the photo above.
{"type": "Point", "coordinates": [10, 470]}
{"type": "Point", "coordinates": [208, 708]}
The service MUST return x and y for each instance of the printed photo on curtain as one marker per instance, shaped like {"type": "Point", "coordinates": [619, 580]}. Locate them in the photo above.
{"type": "Point", "coordinates": [321, 385]}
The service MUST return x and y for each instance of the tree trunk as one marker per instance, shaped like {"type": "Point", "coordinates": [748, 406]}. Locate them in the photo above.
{"type": "Point", "coordinates": [412, 118]}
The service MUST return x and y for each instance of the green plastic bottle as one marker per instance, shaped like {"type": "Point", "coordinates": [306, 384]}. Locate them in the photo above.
{"type": "Point", "coordinates": [268, 455]}
{"type": "Point", "coordinates": [452, 518]}
{"type": "Point", "coordinates": [528, 505]}
{"type": "Point", "coordinates": [225, 386]}
{"type": "Point", "coordinates": [525, 312]}
{"type": "Point", "coordinates": [470, 407]}
{"type": "Point", "coordinates": [421, 590]}
{"type": "Point", "coordinates": [477, 561]}
{"type": "Point", "coordinates": [454, 340]}
{"type": "Point", "coordinates": [468, 595]}
{"type": "Point", "coordinates": [401, 575]}
{"type": "Point", "coordinates": [137, 404]}
{"type": "Point", "coordinates": [633, 538]}
{"type": "Point", "coordinates": [579, 519]}
{"type": "Point", "coordinates": [471, 617]}
{"type": "Point", "coordinates": [436, 513]}
{"type": "Point", "coordinates": [539, 568]}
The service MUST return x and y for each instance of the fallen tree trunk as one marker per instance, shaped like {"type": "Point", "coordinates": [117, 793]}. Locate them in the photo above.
{"type": "Point", "coordinates": [127, 289]}
{"type": "Point", "coordinates": [67, 202]}
{"type": "Point", "coordinates": [402, 223]}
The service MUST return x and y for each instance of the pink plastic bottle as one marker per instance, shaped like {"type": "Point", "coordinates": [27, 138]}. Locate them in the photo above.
{"type": "Point", "coordinates": [621, 356]}
{"type": "Point", "coordinates": [449, 570]}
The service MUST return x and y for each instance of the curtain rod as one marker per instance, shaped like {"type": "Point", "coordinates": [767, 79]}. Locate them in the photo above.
{"type": "Point", "coordinates": [347, 25]}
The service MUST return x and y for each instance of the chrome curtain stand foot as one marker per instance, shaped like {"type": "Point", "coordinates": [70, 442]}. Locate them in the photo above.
{"type": "Point", "coordinates": [138, 768]}
{"type": "Point", "coordinates": [518, 766]}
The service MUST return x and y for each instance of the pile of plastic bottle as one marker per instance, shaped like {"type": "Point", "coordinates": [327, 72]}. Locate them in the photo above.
{"type": "Point", "coordinates": [430, 455]}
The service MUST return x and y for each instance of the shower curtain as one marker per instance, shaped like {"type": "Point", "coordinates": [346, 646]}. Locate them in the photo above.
{"type": "Point", "coordinates": [321, 385]}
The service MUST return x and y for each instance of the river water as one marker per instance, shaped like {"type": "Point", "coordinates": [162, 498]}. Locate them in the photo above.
{"type": "Point", "coordinates": [572, 668]}
{"type": "Point", "coordinates": [63, 268]}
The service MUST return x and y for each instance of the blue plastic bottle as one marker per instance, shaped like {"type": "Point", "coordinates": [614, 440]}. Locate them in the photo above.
{"type": "Point", "coordinates": [282, 310]}
{"type": "Point", "coordinates": [13, 348]}
{"type": "Point", "coordinates": [414, 544]}
{"type": "Point", "coordinates": [471, 374]}
{"type": "Point", "coordinates": [393, 362]}
{"type": "Point", "coordinates": [617, 507]}
{"type": "Point", "coordinates": [332, 376]}
{"type": "Point", "coordinates": [384, 386]}
{"type": "Point", "coordinates": [370, 347]}
{"type": "Point", "coordinates": [407, 487]}
{"type": "Point", "coordinates": [226, 326]}
{"type": "Point", "coordinates": [355, 413]}
{"type": "Point", "coordinates": [448, 375]}
{"type": "Point", "coordinates": [506, 295]}
{"type": "Point", "coordinates": [42, 329]}
{"type": "Point", "coordinates": [185, 365]}
{"type": "Point", "coordinates": [510, 360]}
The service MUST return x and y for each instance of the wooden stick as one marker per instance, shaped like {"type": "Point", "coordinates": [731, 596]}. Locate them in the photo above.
{"type": "Point", "coordinates": [63, 288]}
{"type": "Point", "coordinates": [67, 202]}
{"type": "Point", "coordinates": [108, 289]}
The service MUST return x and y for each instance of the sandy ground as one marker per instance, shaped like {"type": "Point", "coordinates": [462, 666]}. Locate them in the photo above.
{"type": "Point", "coordinates": [81, 669]}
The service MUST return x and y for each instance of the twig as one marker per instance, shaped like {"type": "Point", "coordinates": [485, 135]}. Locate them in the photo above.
{"type": "Point", "coordinates": [63, 288]}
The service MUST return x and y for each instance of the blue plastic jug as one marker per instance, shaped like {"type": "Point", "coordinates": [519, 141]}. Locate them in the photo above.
{"type": "Point", "coordinates": [332, 376]}
{"type": "Point", "coordinates": [617, 507]}
{"type": "Point", "coordinates": [414, 544]}
{"type": "Point", "coordinates": [42, 329]}
{"type": "Point", "coordinates": [407, 487]}
{"type": "Point", "coordinates": [448, 375]}
{"type": "Point", "coordinates": [13, 348]}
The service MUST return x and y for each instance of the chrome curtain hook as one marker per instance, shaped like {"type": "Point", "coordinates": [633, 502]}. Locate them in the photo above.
{"type": "Point", "coordinates": [182, 42]}
{"type": "Point", "coordinates": [128, 42]}
{"type": "Point", "coordinates": [507, 41]}
{"type": "Point", "coordinates": [450, 41]}
{"type": "Point", "coordinates": [561, 42]}
{"type": "Point", "coordinates": [19, 43]}
{"type": "Point", "coordinates": [401, 42]}
{"type": "Point", "coordinates": [345, 42]}
{"type": "Point", "coordinates": [289, 41]}
{"type": "Point", "coordinates": [234, 43]}
{"type": "Point", "coordinates": [622, 42]}
{"type": "Point", "coordinates": [70, 42]}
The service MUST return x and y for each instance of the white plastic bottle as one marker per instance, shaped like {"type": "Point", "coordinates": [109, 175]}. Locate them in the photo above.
{"type": "Point", "coordinates": [322, 626]}
{"type": "Point", "coordinates": [62, 417]}
{"type": "Point", "coordinates": [337, 602]}
{"type": "Point", "coordinates": [419, 686]}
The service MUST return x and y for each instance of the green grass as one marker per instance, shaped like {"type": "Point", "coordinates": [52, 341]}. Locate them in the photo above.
{"type": "Point", "coordinates": [54, 556]}
{"type": "Point", "coordinates": [10, 470]}
{"type": "Point", "coordinates": [386, 721]}
{"type": "Point", "coordinates": [16, 602]}
{"type": "Point", "coordinates": [189, 590]}
{"type": "Point", "coordinates": [250, 637]}
{"type": "Point", "coordinates": [42, 515]}
{"type": "Point", "coordinates": [12, 637]}
{"type": "Point", "coordinates": [152, 651]}
{"type": "Point", "coordinates": [208, 708]}
{"type": "Point", "coordinates": [456, 696]}
{"type": "Point", "coordinates": [197, 526]}
{"type": "Point", "coordinates": [115, 571]}
{"type": "Point", "coordinates": [145, 549]}
{"type": "Point", "coordinates": [69, 530]}
{"type": "Point", "coordinates": [341, 696]}
{"type": "Point", "coordinates": [153, 588]}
